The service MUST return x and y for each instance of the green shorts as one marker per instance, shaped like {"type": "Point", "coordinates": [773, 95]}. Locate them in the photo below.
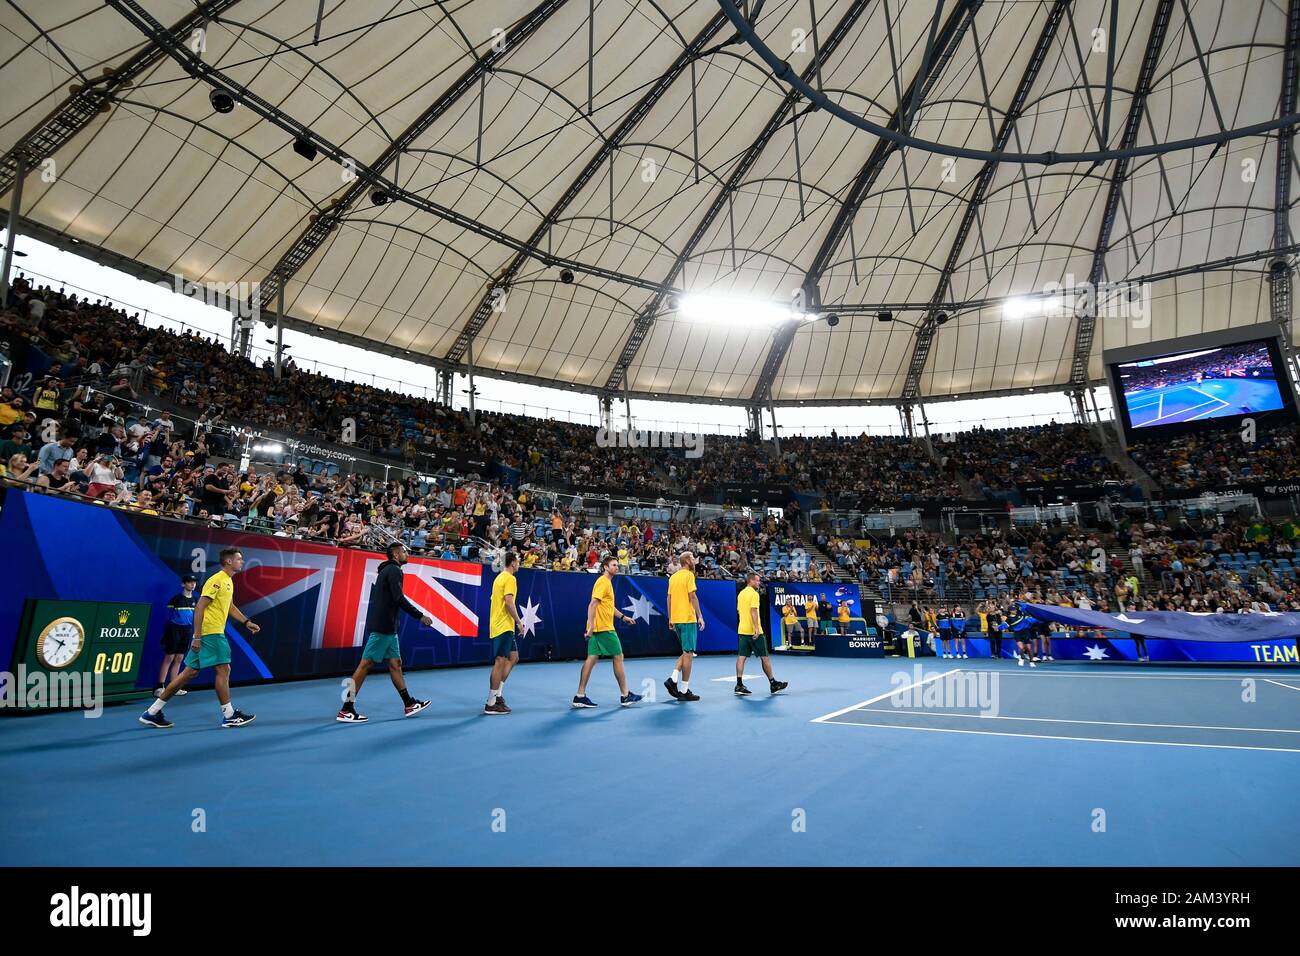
{"type": "Point", "coordinates": [213, 649]}
{"type": "Point", "coordinates": [604, 644]}
{"type": "Point", "coordinates": [503, 645]}
{"type": "Point", "coordinates": [686, 636]}
{"type": "Point", "coordinates": [755, 644]}
{"type": "Point", "coordinates": [381, 647]}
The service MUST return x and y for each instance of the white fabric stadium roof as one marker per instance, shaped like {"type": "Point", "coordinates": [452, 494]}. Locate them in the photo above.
{"type": "Point", "coordinates": [738, 190]}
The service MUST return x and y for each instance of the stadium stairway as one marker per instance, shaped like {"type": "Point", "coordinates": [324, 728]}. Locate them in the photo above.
{"type": "Point", "coordinates": [968, 489]}
{"type": "Point", "coordinates": [1116, 452]}
{"type": "Point", "coordinates": [818, 554]}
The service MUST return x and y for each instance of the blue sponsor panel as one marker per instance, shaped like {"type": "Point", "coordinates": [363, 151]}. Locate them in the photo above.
{"type": "Point", "coordinates": [863, 643]}
{"type": "Point", "coordinates": [832, 593]}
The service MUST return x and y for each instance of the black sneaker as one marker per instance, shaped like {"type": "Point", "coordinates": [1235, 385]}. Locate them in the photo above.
{"type": "Point", "coordinates": [414, 707]}
{"type": "Point", "coordinates": [778, 685]}
{"type": "Point", "coordinates": [349, 716]}
{"type": "Point", "coordinates": [157, 721]}
{"type": "Point", "coordinates": [671, 686]}
{"type": "Point", "coordinates": [689, 695]}
{"type": "Point", "coordinates": [238, 719]}
{"type": "Point", "coordinates": [742, 690]}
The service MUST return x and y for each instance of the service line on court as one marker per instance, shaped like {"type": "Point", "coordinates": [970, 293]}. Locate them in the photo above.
{"type": "Point", "coordinates": [1097, 723]}
{"type": "Point", "coordinates": [890, 693]}
{"type": "Point", "coordinates": [1090, 740]}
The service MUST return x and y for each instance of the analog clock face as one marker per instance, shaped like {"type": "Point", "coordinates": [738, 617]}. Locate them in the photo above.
{"type": "Point", "coordinates": [61, 642]}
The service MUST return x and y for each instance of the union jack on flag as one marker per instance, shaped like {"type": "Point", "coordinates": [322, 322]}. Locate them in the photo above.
{"type": "Point", "coordinates": [278, 570]}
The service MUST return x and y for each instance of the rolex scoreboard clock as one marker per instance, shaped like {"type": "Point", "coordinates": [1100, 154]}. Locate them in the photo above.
{"type": "Point", "coordinates": [72, 653]}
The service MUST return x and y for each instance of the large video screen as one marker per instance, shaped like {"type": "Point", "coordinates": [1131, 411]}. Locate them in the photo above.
{"type": "Point", "coordinates": [1206, 384]}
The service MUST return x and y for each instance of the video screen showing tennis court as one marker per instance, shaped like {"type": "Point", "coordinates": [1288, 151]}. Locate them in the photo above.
{"type": "Point", "coordinates": [1193, 386]}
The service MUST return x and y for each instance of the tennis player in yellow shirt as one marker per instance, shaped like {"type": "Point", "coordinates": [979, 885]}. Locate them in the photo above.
{"type": "Point", "coordinates": [503, 622]}
{"type": "Point", "coordinates": [686, 620]}
{"type": "Point", "coordinates": [210, 647]}
{"type": "Point", "coordinates": [602, 639]}
{"type": "Point", "coordinates": [751, 638]}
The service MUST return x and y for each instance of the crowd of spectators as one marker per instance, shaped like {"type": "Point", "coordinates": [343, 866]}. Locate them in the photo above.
{"type": "Point", "coordinates": [114, 359]}
{"type": "Point", "coordinates": [1210, 564]}
{"type": "Point", "coordinates": [885, 469]}
{"type": "Point", "coordinates": [1207, 460]}
{"type": "Point", "coordinates": [1000, 459]}
{"type": "Point", "coordinates": [80, 428]}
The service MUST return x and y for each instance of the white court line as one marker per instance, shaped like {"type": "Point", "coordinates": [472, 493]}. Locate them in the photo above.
{"type": "Point", "coordinates": [890, 693]}
{"type": "Point", "coordinates": [1221, 402]}
{"type": "Point", "coordinates": [1210, 411]}
{"type": "Point", "coordinates": [1099, 723]}
{"type": "Point", "coordinates": [1280, 684]}
{"type": "Point", "coordinates": [1091, 740]}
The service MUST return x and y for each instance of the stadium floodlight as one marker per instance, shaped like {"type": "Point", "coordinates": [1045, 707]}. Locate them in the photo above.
{"type": "Point", "coordinates": [1020, 308]}
{"type": "Point", "coordinates": [1024, 307]}
{"type": "Point", "coordinates": [221, 101]}
{"type": "Point", "coordinates": [727, 310]}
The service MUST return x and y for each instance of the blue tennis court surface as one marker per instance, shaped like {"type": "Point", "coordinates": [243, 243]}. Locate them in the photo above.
{"type": "Point", "coordinates": [1191, 401]}
{"type": "Point", "coordinates": [1188, 766]}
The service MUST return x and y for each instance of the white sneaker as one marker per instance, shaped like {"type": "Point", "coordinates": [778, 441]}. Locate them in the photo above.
{"type": "Point", "coordinates": [1020, 662]}
{"type": "Point", "coordinates": [181, 693]}
{"type": "Point", "coordinates": [965, 656]}
{"type": "Point", "coordinates": [1050, 657]}
{"type": "Point", "coordinates": [1032, 664]}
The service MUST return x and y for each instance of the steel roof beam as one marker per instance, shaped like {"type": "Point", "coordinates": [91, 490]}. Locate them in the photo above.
{"type": "Point", "coordinates": [646, 316]}
{"type": "Point", "coordinates": [924, 336]}
{"type": "Point", "coordinates": [143, 21]}
{"type": "Point", "coordinates": [76, 112]}
{"type": "Point", "coordinates": [914, 95]}
{"type": "Point", "coordinates": [314, 236]}
{"type": "Point", "coordinates": [1086, 327]}
{"type": "Point", "coordinates": [598, 161]}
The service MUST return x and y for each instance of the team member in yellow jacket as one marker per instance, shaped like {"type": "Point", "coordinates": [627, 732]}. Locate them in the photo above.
{"type": "Point", "coordinates": [749, 629]}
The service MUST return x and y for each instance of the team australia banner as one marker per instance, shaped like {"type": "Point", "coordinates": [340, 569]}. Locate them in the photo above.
{"type": "Point", "coordinates": [1172, 635]}
{"type": "Point", "coordinates": [797, 593]}
{"type": "Point", "coordinates": [1177, 625]}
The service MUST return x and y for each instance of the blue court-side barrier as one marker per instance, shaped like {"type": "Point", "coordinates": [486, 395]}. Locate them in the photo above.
{"type": "Point", "coordinates": [308, 598]}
